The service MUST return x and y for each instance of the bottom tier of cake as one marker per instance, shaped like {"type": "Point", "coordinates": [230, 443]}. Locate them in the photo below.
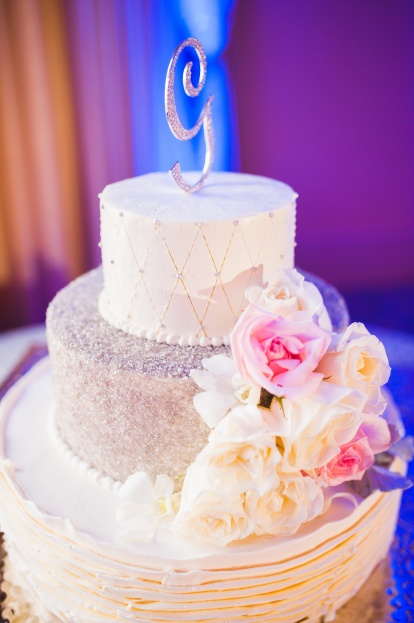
{"type": "Point", "coordinates": [59, 518]}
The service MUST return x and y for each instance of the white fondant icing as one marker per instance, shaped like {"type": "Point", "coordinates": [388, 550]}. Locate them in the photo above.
{"type": "Point", "coordinates": [177, 265]}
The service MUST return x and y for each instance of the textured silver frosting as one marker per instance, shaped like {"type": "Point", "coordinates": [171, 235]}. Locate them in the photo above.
{"type": "Point", "coordinates": [123, 403]}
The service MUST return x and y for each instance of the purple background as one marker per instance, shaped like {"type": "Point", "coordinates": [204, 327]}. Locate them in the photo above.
{"type": "Point", "coordinates": [317, 93]}
{"type": "Point", "coordinates": [325, 99]}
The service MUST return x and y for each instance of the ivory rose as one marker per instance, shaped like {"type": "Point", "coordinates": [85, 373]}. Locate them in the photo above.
{"type": "Point", "coordinates": [358, 360]}
{"type": "Point", "coordinates": [288, 292]}
{"type": "Point", "coordinates": [241, 452]}
{"type": "Point", "coordinates": [209, 515]}
{"type": "Point", "coordinates": [314, 428]}
{"type": "Point", "coordinates": [296, 500]}
{"type": "Point", "coordinates": [278, 354]}
{"type": "Point", "coordinates": [356, 456]}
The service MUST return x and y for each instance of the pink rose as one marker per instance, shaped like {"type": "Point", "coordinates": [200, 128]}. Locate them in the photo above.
{"type": "Point", "coordinates": [356, 456]}
{"type": "Point", "coordinates": [278, 354]}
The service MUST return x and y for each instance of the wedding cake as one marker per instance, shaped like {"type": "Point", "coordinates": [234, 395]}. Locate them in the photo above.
{"type": "Point", "coordinates": [209, 440]}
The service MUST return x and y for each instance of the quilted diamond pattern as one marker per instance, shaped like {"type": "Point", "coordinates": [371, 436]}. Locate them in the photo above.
{"type": "Point", "coordinates": [189, 279]}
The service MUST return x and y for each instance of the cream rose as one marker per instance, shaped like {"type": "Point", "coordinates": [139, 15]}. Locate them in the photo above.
{"type": "Point", "coordinates": [358, 360]}
{"type": "Point", "coordinates": [281, 511]}
{"type": "Point", "coordinates": [316, 427]}
{"type": "Point", "coordinates": [241, 452]}
{"type": "Point", "coordinates": [208, 515]}
{"type": "Point", "coordinates": [288, 292]}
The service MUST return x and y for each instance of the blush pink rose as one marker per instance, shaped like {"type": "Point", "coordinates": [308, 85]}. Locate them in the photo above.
{"type": "Point", "coordinates": [279, 354]}
{"type": "Point", "coordinates": [356, 456]}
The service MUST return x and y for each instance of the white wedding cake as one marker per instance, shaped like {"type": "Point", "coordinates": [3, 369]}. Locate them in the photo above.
{"type": "Point", "coordinates": [209, 440]}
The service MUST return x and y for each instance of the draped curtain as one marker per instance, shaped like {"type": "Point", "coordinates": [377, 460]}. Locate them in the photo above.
{"type": "Point", "coordinates": [81, 106]}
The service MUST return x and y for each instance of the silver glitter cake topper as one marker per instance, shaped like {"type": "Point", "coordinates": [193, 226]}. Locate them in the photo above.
{"type": "Point", "coordinates": [204, 119]}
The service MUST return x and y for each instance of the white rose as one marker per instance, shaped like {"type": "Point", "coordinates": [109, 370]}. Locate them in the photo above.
{"type": "Point", "coordinates": [224, 389]}
{"type": "Point", "coordinates": [283, 510]}
{"type": "Point", "coordinates": [208, 516]}
{"type": "Point", "coordinates": [358, 360]}
{"type": "Point", "coordinates": [241, 452]}
{"type": "Point", "coordinates": [143, 506]}
{"type": "Point", "coordinates": [287, 293]}
{"type": "Point", "coordinates": [315, 427]}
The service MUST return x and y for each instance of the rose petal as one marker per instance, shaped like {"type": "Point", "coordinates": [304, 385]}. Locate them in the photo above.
{"type": "Point", "coordinates": [213, 406]}
{"type": "Point", "coordinates": [136, 488]}
{"type": "Point", "coordinates": [377, 432]}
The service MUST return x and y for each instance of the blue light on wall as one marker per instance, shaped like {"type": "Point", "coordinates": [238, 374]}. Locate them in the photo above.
{"type": "Point", "coordinates": [154, 31]}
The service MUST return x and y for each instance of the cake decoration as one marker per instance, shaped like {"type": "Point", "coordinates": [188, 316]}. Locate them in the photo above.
{"type": "Point", "coordinates": [268, 470]}
{"type": "Point", "coordinates": [205, 118]}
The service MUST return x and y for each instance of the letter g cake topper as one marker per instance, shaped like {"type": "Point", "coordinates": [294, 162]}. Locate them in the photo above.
{"type": "Point", "coordinates": [204, 119]}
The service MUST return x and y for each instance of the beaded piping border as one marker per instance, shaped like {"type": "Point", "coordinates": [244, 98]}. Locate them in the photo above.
{"type": "Point", "coordinates": [159, 336]}
{"type": "Point", "coordinates": [93, 473]}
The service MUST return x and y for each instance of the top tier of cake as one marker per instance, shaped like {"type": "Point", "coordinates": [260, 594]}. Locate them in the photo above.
{"type": "Point", "coordinates": [176, 265]}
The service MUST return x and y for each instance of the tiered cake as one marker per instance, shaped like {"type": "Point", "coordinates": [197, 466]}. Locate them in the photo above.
{"type": "Point", "coordinates": [128, 494]}
{"type": "Point", "coordinates": [176, 267]}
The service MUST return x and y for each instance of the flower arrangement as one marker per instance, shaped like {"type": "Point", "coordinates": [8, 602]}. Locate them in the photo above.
{"type": "Point", "coordinates": [297, 409]}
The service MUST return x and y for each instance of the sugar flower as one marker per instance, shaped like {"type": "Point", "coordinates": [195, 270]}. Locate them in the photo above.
{"type": "Point", "coordinates": [288, 292]}
{"type": "Point", "coordinates": [209, 515]}
{"type": "Point", "coordinates": [143, 506]}
{"type": "Point", "coordinates": [224, 389]}
{"type": "Point", "coordinates": [281, 511]}
{"type": "Point", "coordinates": [278, 354]}
{"type": "Point", "coordinates": [241, 453]}
{"type": "Point", "coordinates": [356, 456]}
{"type": "Point", "coordinates": [358, 360]}
{"type": "Point", "coordinates": [316, 427]}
